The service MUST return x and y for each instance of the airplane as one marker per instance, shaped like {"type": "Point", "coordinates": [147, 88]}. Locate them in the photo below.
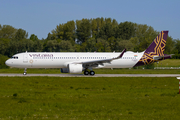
{"type": "Point", "coordinates": [77, 62]}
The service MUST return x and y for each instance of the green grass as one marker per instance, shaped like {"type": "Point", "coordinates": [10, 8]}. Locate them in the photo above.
{"type": "Point", "coordinates": [89, 98]}
{"type": "Point", "coordinates": [169, 63]}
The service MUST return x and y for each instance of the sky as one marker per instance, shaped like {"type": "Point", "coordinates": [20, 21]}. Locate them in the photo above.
{"type": "Point", "coordinates": [40, 17]}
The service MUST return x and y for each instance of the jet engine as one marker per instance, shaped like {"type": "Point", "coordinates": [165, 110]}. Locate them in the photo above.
{"type": "Point", "coordinates": [72, 68]}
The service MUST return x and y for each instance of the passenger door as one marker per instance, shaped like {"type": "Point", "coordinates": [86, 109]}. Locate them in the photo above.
{"type": "Point", "coordinates": [25, 58]}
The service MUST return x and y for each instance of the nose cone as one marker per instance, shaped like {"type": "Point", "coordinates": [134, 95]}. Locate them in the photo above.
{"type": "Point", "coordinates": [7, 62]}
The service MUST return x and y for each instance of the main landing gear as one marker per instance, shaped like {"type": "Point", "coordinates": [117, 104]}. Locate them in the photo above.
{"type": "Point", "coordinates": [25, 71]}
{"type": "Point", "coordinates": [87, 72]}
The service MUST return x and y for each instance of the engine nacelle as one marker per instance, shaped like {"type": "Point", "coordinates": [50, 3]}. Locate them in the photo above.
{"type": "Point", "coordinates": [72, 68]}
{"type": "Point", "coordinates": [75, 68]}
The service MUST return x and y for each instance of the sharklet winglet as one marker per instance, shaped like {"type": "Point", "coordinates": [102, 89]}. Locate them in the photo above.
{"type": "Point", "coordinates": [121, 54]}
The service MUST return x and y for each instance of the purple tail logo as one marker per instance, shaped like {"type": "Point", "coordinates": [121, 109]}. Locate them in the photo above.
{"type": "Point", "coordinates": [158, 45]}
{"type": "Point", "coordinates": [156, 48]}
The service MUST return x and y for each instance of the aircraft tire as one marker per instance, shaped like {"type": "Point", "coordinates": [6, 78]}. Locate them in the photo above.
{"type": "Point", "coordinates": [86, 72]}
{"type": "Point", "coordinates": [92, 73]}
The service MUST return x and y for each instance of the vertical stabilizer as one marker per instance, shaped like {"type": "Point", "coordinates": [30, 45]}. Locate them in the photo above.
{"type": "Point", "coordinates": [156, 49]}
{"type": "Point", "coordinates": [158, 45]}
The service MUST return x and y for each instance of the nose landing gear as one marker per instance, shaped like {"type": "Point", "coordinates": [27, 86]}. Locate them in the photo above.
{"type": "Point", "coordinates": [25, 71]}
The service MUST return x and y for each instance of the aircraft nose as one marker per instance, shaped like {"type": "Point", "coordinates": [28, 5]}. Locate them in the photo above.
{"type": "Point", "coordinates": [7, 62]}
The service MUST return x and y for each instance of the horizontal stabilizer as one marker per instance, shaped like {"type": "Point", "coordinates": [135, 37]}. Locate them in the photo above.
{"type": "Point", "coordinates": [161, 57]}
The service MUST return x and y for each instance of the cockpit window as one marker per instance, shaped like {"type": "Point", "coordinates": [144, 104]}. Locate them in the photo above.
{"type": "Point", "coordinates": [14, 57]}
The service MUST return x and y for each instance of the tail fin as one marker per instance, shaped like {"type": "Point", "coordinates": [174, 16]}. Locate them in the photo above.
{"type": "Point", "coordinates": [155, 51]}
{"type": "Point", "coordinates": [158, 45]}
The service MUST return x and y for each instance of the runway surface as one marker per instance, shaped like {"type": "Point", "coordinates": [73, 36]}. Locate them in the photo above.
{"type": "Point", "coordinates": [97, 75]}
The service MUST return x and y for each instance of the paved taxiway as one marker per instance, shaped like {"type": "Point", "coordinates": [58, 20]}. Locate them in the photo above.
{"type": "Point", "coordinates": [97, 75]}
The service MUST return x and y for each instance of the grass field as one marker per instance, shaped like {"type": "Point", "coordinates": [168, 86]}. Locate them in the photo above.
{"type": "Point", "coordinates": [89, 98]}
{"type": "Point", "coordinates": [169, 63]}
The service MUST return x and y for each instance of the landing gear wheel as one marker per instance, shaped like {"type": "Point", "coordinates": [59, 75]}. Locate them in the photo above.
{"type": "Point", "coordinates": [92, 73]}
{"type": "Point", "coordinates": [86, 72]}
{"type": "Point", "coordinates": [25, 71]}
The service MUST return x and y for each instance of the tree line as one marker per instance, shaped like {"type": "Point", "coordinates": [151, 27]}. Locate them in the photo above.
{"type": "Point", "coordinates": [86, 35]}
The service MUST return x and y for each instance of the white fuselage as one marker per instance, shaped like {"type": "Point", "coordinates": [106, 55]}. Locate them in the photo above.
{"type": "Point", "coordinates": [61, 60]}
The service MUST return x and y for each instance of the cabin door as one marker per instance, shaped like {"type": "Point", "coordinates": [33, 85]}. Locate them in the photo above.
{"type": "Point", "coordinates": [25, 58]}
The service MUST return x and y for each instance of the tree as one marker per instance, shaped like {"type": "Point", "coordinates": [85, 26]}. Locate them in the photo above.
{"type": "Point", "coordinates": [52, 46]}
{"type": "Point", "coordinates": [170, 45]}
{"type": "Point", "coordinates": [114, 23]}
{"type": "Point", "coordinates": [25, 45]}
{"type": "Point", "coordinates": [90, 45]}
{"type": "Point", "coordinates": [2, 61]}
{"type": "Point", "coordinates": [66, 46]}
{"type": "Point", "coordinates": [13, 48]}
{"type": "Point", "coordinates": [125, 30]}
{"type": "Point", "coordinates": [7, 32]}
{"type": "Point", "coordinates": [102, 45]}
{"type": "Point", "coordinates": [33, 37]}
{"type": "Point", "coordinates": [50, 37]}
{"type": "Point", "coordinates": [4, 44]}
{"type": "Point", "coordinates": [21, 34]}
{"type": "Point", "coordinates": [83, 30]}
{"type": "Point", "coordinates": [37, 46]}
{"type": "Point", "coordinates": [112, 43]}
{"type": "Point", "coordinates": [58, 32]}
{"type": "Point", "coordinates": [69, 31]}
{"type": "Point", "coordinates": [63, 32]}
{"type": "Point", "coordinates": [106, 31]}
{"type": "Point", "coordinates": [126, 44]}
{"type": "Point", "coordinates": [100, 23]}
{"type": "Point", "coordinates": [144, 36]}
{"type": "Point", "coordinates": [177, 46]}
{"type": "Point", "coordinates": [94, 28]}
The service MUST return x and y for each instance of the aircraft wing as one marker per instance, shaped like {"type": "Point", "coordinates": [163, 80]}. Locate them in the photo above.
{"type": "Point", "coordinates": [100, 62]}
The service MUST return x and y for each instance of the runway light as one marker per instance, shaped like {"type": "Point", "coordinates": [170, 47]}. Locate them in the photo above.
{"type": "Point", "coordinates": [179, 83]}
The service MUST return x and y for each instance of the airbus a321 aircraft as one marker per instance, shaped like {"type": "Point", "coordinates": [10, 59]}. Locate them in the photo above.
{"type": "Point", "coordinates": [77, 62]}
